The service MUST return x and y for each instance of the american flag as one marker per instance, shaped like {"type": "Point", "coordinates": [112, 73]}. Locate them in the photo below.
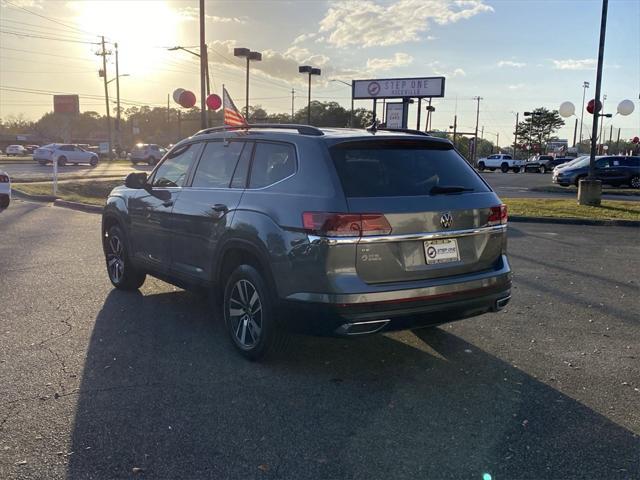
{"type": "Point", "coordinates": [232, 115]}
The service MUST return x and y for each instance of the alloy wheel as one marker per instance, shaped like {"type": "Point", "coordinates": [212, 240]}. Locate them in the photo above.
{"type": "Point", "coordinates": [244, 311]}
{"type": "Point", "coordinates": [635, 182]}
{"type": "Point", "coordinates": [115, 260]}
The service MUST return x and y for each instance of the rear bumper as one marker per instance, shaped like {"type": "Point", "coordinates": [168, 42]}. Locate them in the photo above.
{"type": "Point", "coordinates": [370, 312]}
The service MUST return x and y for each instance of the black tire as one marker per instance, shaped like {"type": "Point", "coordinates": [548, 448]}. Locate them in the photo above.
{"type": "Point", "coordinates": [516, 169]}
{"type": "Point", "coordinates": [492, 169]}
{"type": "Point", "coordinates": [504, 167]}
{"type": "Point", "coordinates": [93, 162]}
{"type": "Point", "coordinates": [254, 316]}
{"type": "Point", "coordinates": [122, 273]}
{"type": "Point", "coordinates": [62, 161]}
{"type": "Point", "coordinates": [635, 181]}
{"type": "Point", "coordinates": [4, 202]}
{"type": "Point", "coordinates": [481, 166]}
{"type": "Point", "coordinates": [151, 161]}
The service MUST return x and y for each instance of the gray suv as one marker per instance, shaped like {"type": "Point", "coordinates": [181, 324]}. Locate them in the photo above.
{"type": "Point", "coordinates": [325, 231]}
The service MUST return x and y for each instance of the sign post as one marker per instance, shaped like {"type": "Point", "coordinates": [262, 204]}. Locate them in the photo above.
{"type": "Point", "coordinates": [67, 106]}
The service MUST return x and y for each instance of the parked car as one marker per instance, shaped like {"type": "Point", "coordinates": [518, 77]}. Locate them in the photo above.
{"type": "Point", "coordinates": [65, 153]}
{"type": "Point", "coordinates": [31, 148]}
{"type": "Point", "coordinates": [147, 152]}
{"type": "Point", "coordinates": [5, 190]}
{"type": "Point", "coordinates": [333, 231]}
{"type": "Point", "coordinates": [610, 170]}
{"type": "Point", "coordinates": [501, 161]}
{"type": "Point", "coordinates": [540, 164]}
{"type": "Point", "coordinates": [15, 150]}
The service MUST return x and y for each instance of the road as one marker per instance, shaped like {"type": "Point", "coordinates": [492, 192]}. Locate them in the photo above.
{"type": "Point", "coordinates": [97, 382]}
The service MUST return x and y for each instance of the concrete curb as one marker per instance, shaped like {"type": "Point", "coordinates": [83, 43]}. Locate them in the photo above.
{"type": "Point", "coordinates": [83, 207]}
{"type": "Point", "coordinates": [564, 191]}
{"type": "Point", "coordinates": [575, 221]}
{"type": "Point", "coordinates": [33, 198]}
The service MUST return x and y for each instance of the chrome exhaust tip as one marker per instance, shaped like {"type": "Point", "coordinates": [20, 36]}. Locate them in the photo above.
{"type": "Point", "coordinates": [362, 328]}
{"type": "Point", "coordinates": [501, 303]}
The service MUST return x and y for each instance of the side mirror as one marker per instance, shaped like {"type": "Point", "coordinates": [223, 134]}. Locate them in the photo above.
{"type": "Point", "coordinates": [136, 180]}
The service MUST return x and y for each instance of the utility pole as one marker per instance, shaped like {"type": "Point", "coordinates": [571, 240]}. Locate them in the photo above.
{"type": "Point", "coordinates": [475, 136]}
{"type": "Point", "coordinates": [515, 136]}
{"type": "Point", "coordinates": [604, 97]}
{"type": "Point", "coordinates": [104, 54]}
{"type": "Point", "coordinates": [118, 139]}
{"type": "Point", "coordinates": [482, 133]}
{"type": "Point", "coordinates": [585, 85]}
{"type": "Point", "coordinates": [498, 142]}
{"type": "Point", "coordinates": [575, 131]}
{"type": "Point", "coordinates": [293, 93]}
{"type": "Point", "coordinates": [610, 135]}
{"type": "Point", "coordinates": [203, 70]}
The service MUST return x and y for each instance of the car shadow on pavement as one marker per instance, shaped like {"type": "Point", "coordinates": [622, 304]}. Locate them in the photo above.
{"type": "Point", "coordinates": [163, 391]}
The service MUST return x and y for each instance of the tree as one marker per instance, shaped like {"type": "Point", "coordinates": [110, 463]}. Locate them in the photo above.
{"type": "Point", "coordinates": [539, 127]}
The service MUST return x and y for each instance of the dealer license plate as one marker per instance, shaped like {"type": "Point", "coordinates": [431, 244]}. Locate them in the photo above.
{"type": "Point", "coordinates": [441, 251]}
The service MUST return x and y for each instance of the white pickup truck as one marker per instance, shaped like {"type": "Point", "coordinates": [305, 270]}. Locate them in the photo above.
{"type": "Point", "coordinates": [501, 161]}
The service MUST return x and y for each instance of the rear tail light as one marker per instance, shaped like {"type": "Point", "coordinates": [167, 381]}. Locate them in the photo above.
{"type": "Point", "coordinates": [4, 179]}
{"type": "Point", "coordinates": [345, 224]}
{"type": "Point", "coordinates": [498, 215]}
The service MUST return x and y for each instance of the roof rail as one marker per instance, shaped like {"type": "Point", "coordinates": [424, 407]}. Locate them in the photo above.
{"type": "Point", "coordinates": [404, 130]}
{"type": "Point", "coordinates": [302, 129]}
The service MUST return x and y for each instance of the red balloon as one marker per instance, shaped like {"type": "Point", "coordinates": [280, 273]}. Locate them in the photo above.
{"type": "Point", "coordinates": [591, 105]}
{"type": "Point", "coordinates": [635, 140]}
{"type": "Point", "coordinates": [214, 102]}
{"type": "Point", "coordinates": [187, 99]}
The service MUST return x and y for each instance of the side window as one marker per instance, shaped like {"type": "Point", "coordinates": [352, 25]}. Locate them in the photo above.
{"type": "Point", "coordinates": [507, 157]}
{"type": "Point", "coordinates": [602, 163]}
{"type": "Point", "coordinates": [217, 164]}
{"type": "Point", "coordinates": [173, 171]}
{"type": "Point", "coordinates": [66, 148]}
{"type": "Point", "coordinates": [271, 162]}
{"type": "Point", "coordinates": [242, 169]}
{"type": "Point", "coordinates": [492, 157]}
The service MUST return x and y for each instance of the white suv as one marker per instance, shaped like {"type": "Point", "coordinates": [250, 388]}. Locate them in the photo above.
{"type": "Point", "coordinates": [65, 153]}
{"type": "Point", "coordinates": [16, 150]}
{"type": "Point", "coordinates": [147, 152]}
{"type": "Point", "coordinates": [501, 161]}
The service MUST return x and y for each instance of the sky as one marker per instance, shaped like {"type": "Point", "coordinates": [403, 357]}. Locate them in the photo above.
{"type": "Point", "coordinates": [515, 54]}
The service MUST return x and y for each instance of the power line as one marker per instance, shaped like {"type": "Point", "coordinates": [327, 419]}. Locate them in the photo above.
{"type": "Point", "coordinates": [49, 18]}
{"type": "Point", "coordinates": [44, 37]}
{"type": "Point", "coordinates": [33, 52]}
{"type": "Point", "coordinates": [34, 28]}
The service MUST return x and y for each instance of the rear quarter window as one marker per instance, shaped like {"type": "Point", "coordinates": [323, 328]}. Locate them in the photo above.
{"type": "Point", "coordinates": [398, 169]}
{"type": "Point", "coordinates": [272, 162]}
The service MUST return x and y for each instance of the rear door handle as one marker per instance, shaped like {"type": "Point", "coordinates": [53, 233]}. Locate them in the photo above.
{"type": "Point", "coordinates": [220, 207]}
{"type": "Point", "coordinates": [168, 203]}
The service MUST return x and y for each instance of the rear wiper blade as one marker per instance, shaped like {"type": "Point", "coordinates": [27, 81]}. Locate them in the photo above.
{"type": "Point", "coordinates": [443, 190]}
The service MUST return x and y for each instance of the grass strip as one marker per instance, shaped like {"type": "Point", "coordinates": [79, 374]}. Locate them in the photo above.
{"type": "Point", "coordinates": [569, 208]}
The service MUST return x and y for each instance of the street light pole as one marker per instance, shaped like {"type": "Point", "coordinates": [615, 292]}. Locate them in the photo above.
{"type": "Point", "coordinates": [590, 189]}
{"type": "Point", "coordinates": [249, 55]}
{"type": "Point", "coordinates": [311, 71]}
{"type": "Point", "coordinates": [117, 102]}
{"type": "Point", "coordinates": [585, 85]}
{"type": "Point", "coordinates": [203, 70]}
{"type": "Point", "coordinates": [475, 136]}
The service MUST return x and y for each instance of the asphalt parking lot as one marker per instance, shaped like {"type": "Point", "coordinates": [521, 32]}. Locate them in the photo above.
{"type": "Point", "coordinates": [34, 171]}
{"type": "Point", "coordinates": [99, 383]}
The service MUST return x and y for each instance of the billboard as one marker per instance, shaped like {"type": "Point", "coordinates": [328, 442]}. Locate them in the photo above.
{"type": "Point", "coordinates": [66, 104]}
{"type": "Point", "coordinates": [398, 88]}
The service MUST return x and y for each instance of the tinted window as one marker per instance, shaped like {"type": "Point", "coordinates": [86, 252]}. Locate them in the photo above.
{"type": "Point", "coordinates": [271, 163]}
{"type": "Point", "coordinates": [399, 169]}
{"type": "Point", "coordinates": [217, 164]}
{"type": "Point", "coordinates": [173, 171]}
{"type": "Point", "coordinates": [242, 169]}
{"type": "Point", "coordinates": [602, 163]}
{"type": "Point", "coordinates": [507, 157]}
{"type": "Point", "coordinates": [66, 148]}
{"type": "Point", "coordinates": [630, 162]}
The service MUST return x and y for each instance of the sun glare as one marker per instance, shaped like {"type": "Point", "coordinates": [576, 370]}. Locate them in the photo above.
{"type": "Point", "coordinates": [141, 28]}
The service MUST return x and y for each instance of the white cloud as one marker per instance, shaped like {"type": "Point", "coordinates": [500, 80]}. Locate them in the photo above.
{"type": "Point", "coordinates": [303, 38]}
{"type": "Point", "coordinates": [517, 86]}
{"type": "Point", "coordinates": [509, 63]}
{"type": "Point", "coordinates": [573, 64]}
{"type": "Point", "coordinates": [192, 13]}
{"type": "Point", "coordinates": [398, 60]}
{"type": "Point", "coordinates": [445, 71]}
{"type": "Point", "coordinates": [369, 23]}
{"type": "Point", "coordinates": [24, 4]}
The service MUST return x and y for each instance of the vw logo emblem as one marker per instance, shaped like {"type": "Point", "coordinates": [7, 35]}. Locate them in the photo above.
{"type": "Point", "coordinates": [446, 220]}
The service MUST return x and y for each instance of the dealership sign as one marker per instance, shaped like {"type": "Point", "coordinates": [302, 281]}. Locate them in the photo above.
{"type": "Point", "coordinates": [67, 104]}
{"type": "Point", "coordinates": [399, 88]}
{"type": "Point", "coordinates": [394, 115]}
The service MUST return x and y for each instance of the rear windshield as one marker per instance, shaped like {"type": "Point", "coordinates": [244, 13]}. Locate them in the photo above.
{"type": "Point", "coordinates": [401, 169]}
